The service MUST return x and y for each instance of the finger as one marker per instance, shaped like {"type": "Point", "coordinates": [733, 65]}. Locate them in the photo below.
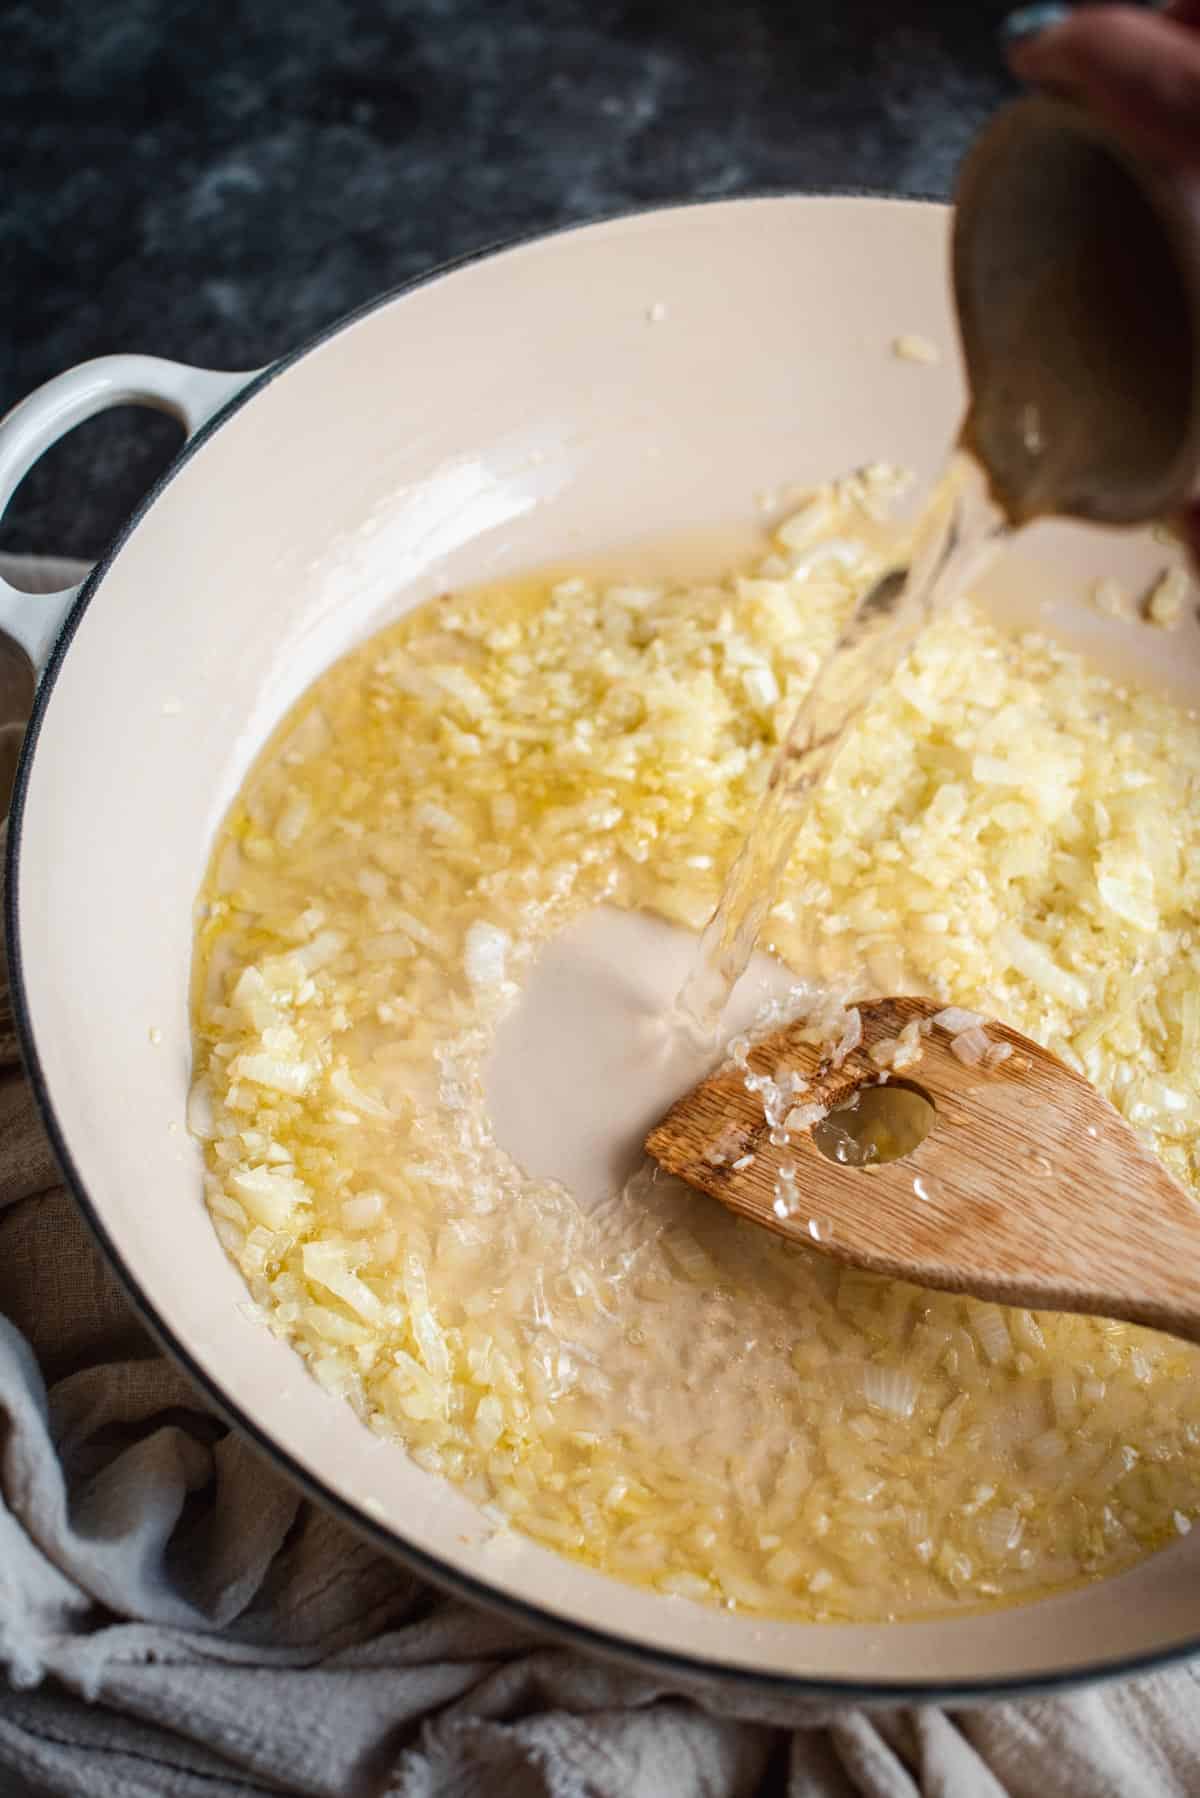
{"type": "Point", "coordinates": [1137, 71]}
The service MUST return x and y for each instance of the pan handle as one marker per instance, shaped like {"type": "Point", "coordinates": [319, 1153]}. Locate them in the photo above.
{"type": "Point", "coordinates": [192, 395]}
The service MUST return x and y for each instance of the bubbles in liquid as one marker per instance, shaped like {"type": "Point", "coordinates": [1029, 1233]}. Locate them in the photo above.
{"type": "Point", "coordinates": [787, 1199]}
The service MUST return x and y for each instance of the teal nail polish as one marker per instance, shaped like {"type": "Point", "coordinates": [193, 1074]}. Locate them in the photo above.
{"type": "Point", "coordinates": [1031, 21]}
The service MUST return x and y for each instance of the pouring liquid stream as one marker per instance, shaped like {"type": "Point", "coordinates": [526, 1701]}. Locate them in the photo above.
{"type": "Point", "coordinates": [957, 533]}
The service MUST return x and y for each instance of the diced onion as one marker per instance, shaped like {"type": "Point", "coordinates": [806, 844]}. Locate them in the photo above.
{"type": "Point", "coordinates": [955, 1020]}
{"type": "Point", "coordinates": [327, 1264]}
{"type": "Point", "coordinates": [361, 1212]}
{"type": "Point", "coordinates": [850, 1037]}
{"type": "Point", "coordinates": [970, 1046]}
{"type": "Point", "coordinates": [890, 1389]}
{"type": "Point", "coordinates": [283, 1076]}
{"type": "Point", "coordinates": [270, 1195]}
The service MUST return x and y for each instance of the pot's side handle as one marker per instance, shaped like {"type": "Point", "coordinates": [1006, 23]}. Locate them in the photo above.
{"type": "Point", "coordinates": [192, 395]}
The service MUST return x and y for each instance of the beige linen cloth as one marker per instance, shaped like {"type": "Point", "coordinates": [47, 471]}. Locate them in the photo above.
{"type": "Point", "coordinates": [176, 1620]}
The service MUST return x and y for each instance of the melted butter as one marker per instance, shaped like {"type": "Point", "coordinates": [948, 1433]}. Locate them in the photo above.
{"type": "Point", "coordinates": [643, 1382]}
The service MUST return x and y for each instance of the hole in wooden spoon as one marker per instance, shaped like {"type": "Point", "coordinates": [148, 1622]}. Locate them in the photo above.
{"type": "Point", "coordinates": [880, 1123]}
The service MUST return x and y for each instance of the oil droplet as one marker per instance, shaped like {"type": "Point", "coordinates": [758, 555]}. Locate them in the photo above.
{"type": "Point", "coordinates": [820, 1229]}
{"type": "Point", "coordinates": [924, 1188]}
{"type": "Point", "coordinates": [1092, 1130]}
{"type": "Point", "coordinates": [1040, 1163]}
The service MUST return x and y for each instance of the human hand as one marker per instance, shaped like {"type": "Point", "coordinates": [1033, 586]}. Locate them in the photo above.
{"type": "Point", "coordinates": [1135, 69]}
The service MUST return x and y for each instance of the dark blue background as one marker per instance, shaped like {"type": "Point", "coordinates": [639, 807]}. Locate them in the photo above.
{"type": "Point", "coordinates": [216, 181]}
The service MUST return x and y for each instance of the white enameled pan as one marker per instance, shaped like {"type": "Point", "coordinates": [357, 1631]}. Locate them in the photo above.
{"type": "Point", "coordinates": [572, 395]}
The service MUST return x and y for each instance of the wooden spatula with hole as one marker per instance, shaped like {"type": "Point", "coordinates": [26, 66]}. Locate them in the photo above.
{"type": "Point", "coordinates": [1026, 1187]}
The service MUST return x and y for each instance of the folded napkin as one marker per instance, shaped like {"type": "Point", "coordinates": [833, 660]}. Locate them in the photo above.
{"type": "Point", "coordinates": [176, 1620]}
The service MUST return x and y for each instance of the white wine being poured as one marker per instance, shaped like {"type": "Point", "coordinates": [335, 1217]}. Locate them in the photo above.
{"type": "Point", "coordinates": [954, 536]}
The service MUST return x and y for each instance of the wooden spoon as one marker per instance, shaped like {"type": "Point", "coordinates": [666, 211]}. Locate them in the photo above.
{"type": "Point", "coordinates": [1029, 1188]}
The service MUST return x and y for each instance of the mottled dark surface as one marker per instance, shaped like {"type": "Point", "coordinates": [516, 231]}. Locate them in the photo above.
{"type": "Point", "coordinates": [218, 182]}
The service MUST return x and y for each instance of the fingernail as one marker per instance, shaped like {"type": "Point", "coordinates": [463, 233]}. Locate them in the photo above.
{"type": "Point", "coordinates": [1031, 21]}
